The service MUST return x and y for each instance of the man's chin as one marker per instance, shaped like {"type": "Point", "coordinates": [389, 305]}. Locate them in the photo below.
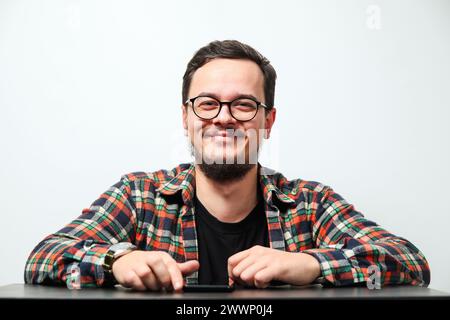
{"type": "Point", "coordinates": [224, 172]}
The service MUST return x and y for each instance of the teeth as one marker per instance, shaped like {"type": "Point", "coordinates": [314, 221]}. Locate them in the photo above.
{"type": "Point", "coordinates": [237, 134]}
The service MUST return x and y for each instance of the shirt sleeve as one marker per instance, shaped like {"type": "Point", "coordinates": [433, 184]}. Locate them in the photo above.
{"type": "Point", "coordinates": [73, 256]}
{"type": "Point", "coordinates": [351, 248]}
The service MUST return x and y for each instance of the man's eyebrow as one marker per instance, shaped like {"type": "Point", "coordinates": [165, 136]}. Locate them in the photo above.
{"type": "Point", "coordinates": [237, 96]}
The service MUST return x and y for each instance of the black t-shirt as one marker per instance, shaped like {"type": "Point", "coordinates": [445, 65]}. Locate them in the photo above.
{"type": "Point", "coordinates": [217, 240]}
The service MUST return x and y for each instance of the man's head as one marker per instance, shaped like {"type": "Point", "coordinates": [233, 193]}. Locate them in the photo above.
{"type": "Point", "coordinates": [228, 71]}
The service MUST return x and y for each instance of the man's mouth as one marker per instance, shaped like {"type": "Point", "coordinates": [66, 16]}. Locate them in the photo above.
{"type": "Point", "coordinates": [224, 134]}
{"type": "Point", "coordinates": [219, 134]}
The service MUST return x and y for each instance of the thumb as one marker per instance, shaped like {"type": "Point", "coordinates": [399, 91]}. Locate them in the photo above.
{"type": "Point", "coordinates": [188, 267]}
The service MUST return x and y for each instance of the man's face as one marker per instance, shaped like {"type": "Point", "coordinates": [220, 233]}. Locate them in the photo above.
{"type": "Point", "coordinates": [226, 80]}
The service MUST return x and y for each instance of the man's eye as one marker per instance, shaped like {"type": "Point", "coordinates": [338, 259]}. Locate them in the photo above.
{"type": "Point", "coordinates": [208, 103]}
{"type": "Point", "coordinates": [246, 105]}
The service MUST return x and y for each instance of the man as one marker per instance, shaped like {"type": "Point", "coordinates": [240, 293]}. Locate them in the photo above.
{"type": "Point", "coordinates": [223, 218]}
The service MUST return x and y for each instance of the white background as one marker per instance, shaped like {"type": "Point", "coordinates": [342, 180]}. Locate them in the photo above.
{"type": "Point", "coordinates": [90, 90]}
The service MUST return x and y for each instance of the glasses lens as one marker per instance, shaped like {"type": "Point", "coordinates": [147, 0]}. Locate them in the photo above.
{"type": "Point", "coordinates": [206, 107]}
{"type": "Point", "coordinates": [244, 109]}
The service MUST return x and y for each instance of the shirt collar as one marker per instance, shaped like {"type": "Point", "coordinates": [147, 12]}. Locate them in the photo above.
{"type": "Point", "coordinates": [184, 182]}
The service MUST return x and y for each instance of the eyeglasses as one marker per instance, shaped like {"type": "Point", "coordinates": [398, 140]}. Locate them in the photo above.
{"type": "Point", "coordinates": [241, 109]}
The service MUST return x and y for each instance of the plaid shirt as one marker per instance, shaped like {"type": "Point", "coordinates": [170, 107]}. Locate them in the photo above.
{"type": "Point", "coordinates": [155, 211]}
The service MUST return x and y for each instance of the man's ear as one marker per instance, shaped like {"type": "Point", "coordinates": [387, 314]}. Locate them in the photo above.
{"type": "Point", "coordinates": [269, 121]}
{"type": "Point", "coordinates": [184, 119]}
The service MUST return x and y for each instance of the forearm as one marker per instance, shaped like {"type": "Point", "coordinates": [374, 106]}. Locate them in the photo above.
{"type": "Point", "coordinates": [347, 245]}
{"type": "Point", "coordinates": [397, 261]}
{"type": "Point", "coordinates": [79, 247]}
{"type": "Point", "coordinates": [66, 261]}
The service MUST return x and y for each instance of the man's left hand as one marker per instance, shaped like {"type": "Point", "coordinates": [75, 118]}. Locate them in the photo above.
{"type": "Point", "coordinates": [258, 266]}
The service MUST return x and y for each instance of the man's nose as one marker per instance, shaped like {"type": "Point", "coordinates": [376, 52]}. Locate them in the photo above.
{"type": "Point", "coordinates": [224, 115]}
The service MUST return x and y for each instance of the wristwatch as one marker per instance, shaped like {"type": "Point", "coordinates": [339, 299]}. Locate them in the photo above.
{"type": "Point", "coordinates": [115, 251]}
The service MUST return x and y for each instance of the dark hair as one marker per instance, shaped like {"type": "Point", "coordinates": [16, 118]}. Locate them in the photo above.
{"type": "Point", "coordinates": [231, 49]}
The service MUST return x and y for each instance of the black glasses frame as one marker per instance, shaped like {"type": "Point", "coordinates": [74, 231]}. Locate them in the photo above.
{"type": "Point", "coordinates": [221, 103]}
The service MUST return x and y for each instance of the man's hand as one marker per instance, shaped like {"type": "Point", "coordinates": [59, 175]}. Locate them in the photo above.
{"type": "Point", "coordinates": [258, 266]}
{"type": "Point", "coordinates": [152, 270]}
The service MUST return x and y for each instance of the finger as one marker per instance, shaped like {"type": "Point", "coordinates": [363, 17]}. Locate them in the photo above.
{"type": "Point", "coordinates": [234, 260]}
{"type": "Point", "coordinates": [147, 277]}
{"type": "Point", "coordinates": [175, 274]}
{"type": "Point", "coordinates": [237, 257]}
{"type": "Point", "coordinates": [132, 280]}
{"type": "Point", "coordinates": [230, 273]}
{"type": "Point", "coordinates": [231, 278]}
{"type": "Point", "coordinates": [159, 268]}
{"type": "Point", "coordinates": [263, 277]}
{"type": "Point", "coordinates": [248, 274]}
{"type": "Point", "coordinates": [188, 267]}
{"type": "Point", "coordinates": [243, 265]}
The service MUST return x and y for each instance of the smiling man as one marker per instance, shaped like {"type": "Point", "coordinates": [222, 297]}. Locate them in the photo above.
{"type": "Point", "coordinates": [223, 218]}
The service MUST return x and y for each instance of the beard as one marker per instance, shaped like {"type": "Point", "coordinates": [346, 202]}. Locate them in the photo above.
{"type": "Point", "coordinates": [223, 172]}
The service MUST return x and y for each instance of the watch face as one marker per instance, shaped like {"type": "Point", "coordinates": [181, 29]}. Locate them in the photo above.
{"type": "Point", "coordinates": [121, 246]}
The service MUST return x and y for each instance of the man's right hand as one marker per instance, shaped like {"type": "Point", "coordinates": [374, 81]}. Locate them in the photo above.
{"type": "Point", "coordinates": [152, 270]}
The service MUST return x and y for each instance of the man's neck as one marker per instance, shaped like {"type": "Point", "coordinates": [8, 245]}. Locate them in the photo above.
{"type": "Point", "coordinates": [230, 201]}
